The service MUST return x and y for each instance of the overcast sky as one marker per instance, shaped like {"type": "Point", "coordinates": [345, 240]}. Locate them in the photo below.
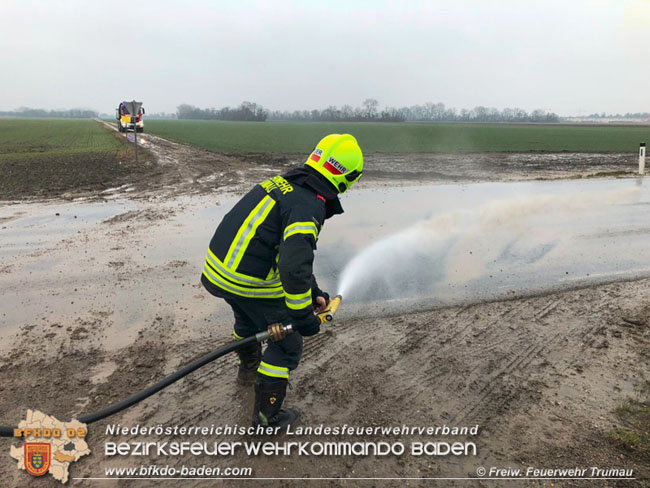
{"type": "Point", "coordinates": [569, 56]}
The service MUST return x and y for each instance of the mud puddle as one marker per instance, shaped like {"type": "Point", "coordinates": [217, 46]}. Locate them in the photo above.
{"type": "Point", "coordinates": [28, 228]}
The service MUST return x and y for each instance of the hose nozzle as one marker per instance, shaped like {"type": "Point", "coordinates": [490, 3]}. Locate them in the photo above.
{"type": "Point", "coordinates": [333, 306]}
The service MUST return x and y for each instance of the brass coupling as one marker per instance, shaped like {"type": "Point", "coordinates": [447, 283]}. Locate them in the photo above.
{"type": "Point", "coordinates": [277, 332]}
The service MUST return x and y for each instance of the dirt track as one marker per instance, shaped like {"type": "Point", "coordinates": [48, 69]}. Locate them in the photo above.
{"type": "Point", "coordinates": [542, 376]}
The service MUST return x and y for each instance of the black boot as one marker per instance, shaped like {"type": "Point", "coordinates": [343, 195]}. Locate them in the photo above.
{"type": "Point", "coordinates": [269, 395]}
{"type": "Point", "coordinates": [250, 357]}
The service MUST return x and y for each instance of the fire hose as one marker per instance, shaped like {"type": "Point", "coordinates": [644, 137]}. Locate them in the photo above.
{"type": "Point", "coordinates": [275, 332]}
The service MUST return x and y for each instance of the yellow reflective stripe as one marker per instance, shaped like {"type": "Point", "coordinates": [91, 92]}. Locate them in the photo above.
{"type": "Point", "coordinates": [298, 296]}
{"type": "Point", "coordinates": [308, 232]}
{"type": "Point", "coordinates": [224, 279]}
{"type": "Point", "coordinates": [273, 273]}
{"type": "Point", "coordinates": [238, 237]}
{"type": "Point", "coordinates": [298, 306]}
{"type": "Point", "coordinates": [301, 228]}
{"type": "Point", "coordinates": [274, 371]}
{"type": "Point", "coordinates": [297, 301]}
{"type": "Point", "coordinates": [254, 225]}
{"type": "Point", "coordinates": [215, 279]}
{"type": "Point", "coordinates": [235, 335]}
{"type": "Point", "coordinates": [247, 231]}
{"type": "Point", "coordinates": [240, 278]}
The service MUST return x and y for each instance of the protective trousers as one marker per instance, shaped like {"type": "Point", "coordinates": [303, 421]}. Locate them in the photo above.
{"type": "Point", "coordinates": [254, 315]}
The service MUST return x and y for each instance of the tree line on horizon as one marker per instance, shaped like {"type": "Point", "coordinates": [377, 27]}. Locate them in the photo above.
{"type": "Point", "coordinates": [604, 115]}
{"type": "Point", "coordinates": [72, 113]}
{"type": "Point", "coordinates": [247, 111]}
{"type": "Point", "coordinates": [369, 111]}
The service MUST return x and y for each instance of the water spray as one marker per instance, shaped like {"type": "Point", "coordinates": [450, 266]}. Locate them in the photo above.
{"type": "Point", "coordinates": [452, 250]}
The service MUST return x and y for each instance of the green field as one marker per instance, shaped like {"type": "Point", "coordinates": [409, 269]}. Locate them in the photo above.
{"type": "Point", "coordinates": [289, 137]}
{"type": "Point", "coordinates": [50, 156]}
{"type": "Point", "coordinates": [34, 138]}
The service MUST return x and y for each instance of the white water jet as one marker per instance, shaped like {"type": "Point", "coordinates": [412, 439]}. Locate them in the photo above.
{"type": "Point", "coordinates": [456, 247]}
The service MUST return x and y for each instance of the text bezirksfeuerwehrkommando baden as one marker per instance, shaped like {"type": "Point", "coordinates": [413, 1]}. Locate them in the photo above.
{"type": "Point", "coordinates": [370, 441]}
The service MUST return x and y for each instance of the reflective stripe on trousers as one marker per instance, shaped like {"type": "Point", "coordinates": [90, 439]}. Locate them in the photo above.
{"type": "Point", "coordinates": [273, 371]}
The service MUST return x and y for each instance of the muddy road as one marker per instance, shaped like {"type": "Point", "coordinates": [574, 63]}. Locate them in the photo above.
{"type": "Point", "coordinates": [101, 297]}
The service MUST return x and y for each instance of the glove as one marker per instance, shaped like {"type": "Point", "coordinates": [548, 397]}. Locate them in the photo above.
{"type": "Point", "coordinates": [308, 326]}
{"type": "Point", "coordinates": [317, 292]}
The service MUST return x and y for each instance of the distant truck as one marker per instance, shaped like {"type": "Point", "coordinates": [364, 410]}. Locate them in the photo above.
{"type": "Point", "coordinates": [123, 118]}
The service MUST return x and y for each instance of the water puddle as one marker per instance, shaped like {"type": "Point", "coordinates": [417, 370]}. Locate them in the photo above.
{"type": "Point", "coordinates": [27, 228]}
{"type": "Point", "coordinates": [400, 248]}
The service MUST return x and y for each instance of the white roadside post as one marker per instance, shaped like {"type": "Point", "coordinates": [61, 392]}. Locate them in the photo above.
{"type": "Point", "coordinates": [134, 109]}
{"type": "Point", "coordinates": [642, 158]}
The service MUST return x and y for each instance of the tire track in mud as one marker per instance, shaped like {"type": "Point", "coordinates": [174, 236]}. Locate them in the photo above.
{"type": "Point", "coordinates": [527, 372]}
{"type": "Point", "coordinates": [528, 359]}
{"type": "Point", "coordinates": [491, 399]}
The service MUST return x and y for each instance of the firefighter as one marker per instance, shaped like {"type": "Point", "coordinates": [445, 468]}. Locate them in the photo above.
{"type": "Point", "coordinates": [260, 262]}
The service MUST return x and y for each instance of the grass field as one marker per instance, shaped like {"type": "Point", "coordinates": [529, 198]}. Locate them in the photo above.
{"type": "Point", "coordinates": [287, 137]}
{"type": "Point", "coordinates": [49, 156]}
{"type": "Point", "coordinates": [34, 138]}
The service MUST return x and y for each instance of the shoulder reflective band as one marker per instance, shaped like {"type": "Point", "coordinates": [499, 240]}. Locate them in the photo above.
{"type": "Point", "coordinates": [301, 228]}
{"type": "Point", "coordinates": [274, 371]}
{"type": "Point", "coordinates": [247, 231]}
{"type": "Point", "coordinates": [232, 275]}
{"type": "Point", "coordinates": [297, 301]}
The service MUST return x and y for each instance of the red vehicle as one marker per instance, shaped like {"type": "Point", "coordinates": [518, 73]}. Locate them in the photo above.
{"type": "Point", "coordinates": [124, 119]}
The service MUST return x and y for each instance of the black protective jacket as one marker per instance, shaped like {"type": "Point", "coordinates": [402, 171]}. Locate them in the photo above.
{"type": "Point", "coordinates": [264, 247]}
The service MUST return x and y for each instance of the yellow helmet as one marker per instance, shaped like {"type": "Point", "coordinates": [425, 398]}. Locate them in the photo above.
{"type": "Point", "coordinates": [338, 158]}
